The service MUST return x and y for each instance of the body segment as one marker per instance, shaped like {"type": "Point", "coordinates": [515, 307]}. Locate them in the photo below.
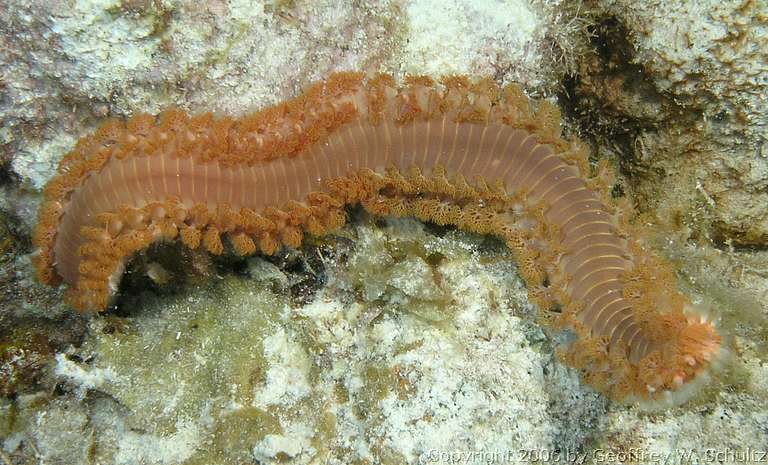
{"type": "Point", "coordinates": [467, 154]}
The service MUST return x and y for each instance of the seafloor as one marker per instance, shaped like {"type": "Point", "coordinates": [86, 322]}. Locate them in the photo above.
{"type": "Point", "coordinates": [391, 341]}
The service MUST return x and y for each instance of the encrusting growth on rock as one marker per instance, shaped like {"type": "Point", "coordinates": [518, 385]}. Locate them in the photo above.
{"type": "Point", "coordinates": [462, 153]}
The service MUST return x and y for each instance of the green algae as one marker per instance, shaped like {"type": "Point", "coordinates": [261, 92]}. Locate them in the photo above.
{"type": "Point", "coordinates": [235, 432]}
{"type": "Point", "coordinates": [181, 352]}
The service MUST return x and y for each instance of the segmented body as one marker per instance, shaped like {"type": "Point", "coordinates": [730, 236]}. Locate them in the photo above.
{"type": "Point", "coordinates": [467, 154]}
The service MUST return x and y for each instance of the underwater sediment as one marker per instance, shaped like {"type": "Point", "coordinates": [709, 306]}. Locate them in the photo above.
{"type": "Point", "coordinates": [389, 340]}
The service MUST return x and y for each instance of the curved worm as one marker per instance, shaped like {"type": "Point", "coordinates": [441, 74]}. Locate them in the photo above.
{"type": "Point", "coordinates": [462, 153]}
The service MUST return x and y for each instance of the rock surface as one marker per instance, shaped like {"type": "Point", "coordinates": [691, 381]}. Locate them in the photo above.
{"type": "Point", "coordinates": [392, 341]}
{"type": "Point", "coordinates": [681, 87]}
